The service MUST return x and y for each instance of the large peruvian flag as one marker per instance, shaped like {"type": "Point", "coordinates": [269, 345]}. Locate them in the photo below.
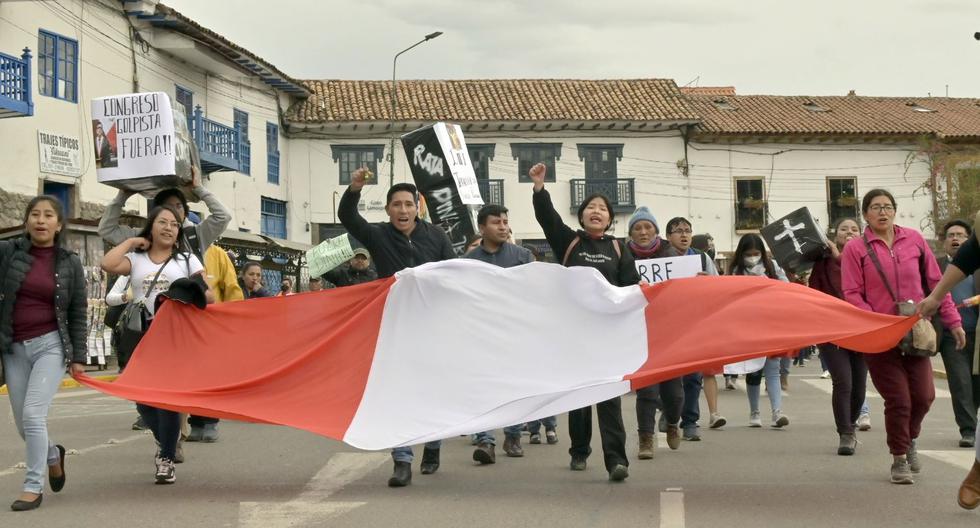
{"type": "Point", "coordinates": [461, 346]}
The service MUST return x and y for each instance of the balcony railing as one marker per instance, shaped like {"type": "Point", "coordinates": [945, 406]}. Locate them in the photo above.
{"type": "Point", "coordinates": [15, 85]}
{"type": "Point", "coordinates": [492, 191]}
{"type": "Point", "coordinates": [620, 192]}
{"type": "Point", "coordinates": [219, 145]}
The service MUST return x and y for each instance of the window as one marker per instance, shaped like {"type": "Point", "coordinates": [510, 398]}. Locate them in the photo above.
{"type": "Point", "coordinates": [528, 154]}
{"type": "Point", "coordinates": [750, 204]}
{"type": "Point", "coordinates": [600, 160]}
{"type": "Point", "coordinates": [57, 66]}
{"type": "Point", "coordinates": [352, 157]}
{"type": "Point", "coordinates": [241, 125]}
{"type": "Point", "coordinates": [842, 201]}
{"type": "Point", "coordinates": [272, 151]}
{"type": "Point", "coordinates": [273, 218]}
{"type": "Point", "coordinates": [480, 156]}
{"type": "Point", "coordinates": [63, 192]}
{"type": "Point", "coordinates": [186, 98]}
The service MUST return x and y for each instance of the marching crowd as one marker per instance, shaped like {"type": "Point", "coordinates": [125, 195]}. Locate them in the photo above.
{"type": "Point", "coordinates": [883, 268]}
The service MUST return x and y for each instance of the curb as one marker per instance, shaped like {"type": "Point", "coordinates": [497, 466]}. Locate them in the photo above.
{"type": "Point", "coordinates": [70, 383]}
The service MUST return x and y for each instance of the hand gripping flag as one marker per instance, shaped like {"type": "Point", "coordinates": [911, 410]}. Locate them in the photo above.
{"type": "Point", "coordinates": [461, 346]}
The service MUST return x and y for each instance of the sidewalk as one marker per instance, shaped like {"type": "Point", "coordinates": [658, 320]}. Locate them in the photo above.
{"type": "Point", "coordinates": [69, 383]}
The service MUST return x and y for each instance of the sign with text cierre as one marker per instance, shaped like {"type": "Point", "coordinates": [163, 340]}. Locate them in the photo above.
{"type": "Point", "coordinates": [663, 269]}
{"type": "Point", "coordinates": [59, 154]}
{"type": "Point", "coordinates": [329, 254]}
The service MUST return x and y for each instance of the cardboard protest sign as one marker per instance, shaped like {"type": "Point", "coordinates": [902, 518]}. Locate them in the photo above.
{"type": "Point", "coordinates": [434, 177]}
{"type": "Point", "coordinates": [663, 269]}
{"type": "Point", "coordinates": [796, 240]}
{"type": "Point", "coordinates": [141, 144]}
{"type": "Point", "coordinates": [329, 254]}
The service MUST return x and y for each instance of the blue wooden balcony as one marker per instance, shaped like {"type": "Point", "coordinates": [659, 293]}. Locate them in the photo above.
{"type": "Point", "coordinates": [220, 146]}
{"type": "Point", "coordinates": [620, 192]}
{"type": "Point", "coordinates": [492, 191]}
{"type": "Point", "coordinates": [15, 85]}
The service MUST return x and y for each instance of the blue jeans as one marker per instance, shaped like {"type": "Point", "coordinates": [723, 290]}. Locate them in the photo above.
{"type": "Point", "coordinates": [550, 424]}
{"type": "Point", "coordinates": [753, 385]}
{"type": "Point", "coordinates": [34, 369]}
{"type": "Point", "coordinates": [511, 431]}
{"type": "Point", "coordinates": [404, 454]}
{"type": "Point", "coordinates": [691, 413]}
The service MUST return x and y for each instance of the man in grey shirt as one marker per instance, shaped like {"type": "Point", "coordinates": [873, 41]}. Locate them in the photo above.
{"type": "Point", "coordinates": [496, 249]}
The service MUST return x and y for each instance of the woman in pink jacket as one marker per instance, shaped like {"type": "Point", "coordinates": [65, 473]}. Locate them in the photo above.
{"type": "Point", "coordinates": [905, 382]}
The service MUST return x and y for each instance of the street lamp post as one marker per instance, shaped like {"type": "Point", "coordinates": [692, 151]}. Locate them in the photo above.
{"type": "Point", "coordinates": [394, 104]}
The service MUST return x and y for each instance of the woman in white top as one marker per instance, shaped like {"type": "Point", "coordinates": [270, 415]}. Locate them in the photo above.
{"type": "Point", "coordinates": [153, 261]}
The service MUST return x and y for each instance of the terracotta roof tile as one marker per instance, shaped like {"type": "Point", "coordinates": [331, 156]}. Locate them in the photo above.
{"type": "Point", "coordinates": [494, 100]}
{"type": "Point", "coordinates": [708, 90]}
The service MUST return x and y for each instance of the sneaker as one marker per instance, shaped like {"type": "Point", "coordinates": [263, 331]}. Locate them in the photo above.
{"type": "Point", "coordinates": [551, 436]}
{"type": "Point", "coordinates": [901, 472]}
{"type": "Point", "coordinates": [139, 424]}
{"type": "Point", "coordinates": [729, 383]}
{"type": "Point", "coordinates": [825, 375]}
{"type": "Point", "coordinates": [717, 421]}
{"type": "Point", "coordinates": [647, 443]}
{"type": "Point", "coordinates": [864, 422]}
{"type": "Point", "coordinates": [512, 447]}
{"type": "Point", "coordinates": [913, 458]}
{"type": "Point", "coordinates": [535, 438]}
{"type": "Point", "coordinates": [577, 464]}
{"type": "Point", "coordinates": [847, 444]}
{"type": "Point", "coordinates": [484, 453]}
{"type": "Point", "coordinates": [401, 476]}
{"type": "Point", "coordinates": [619, 473]}
{"type": "Point", "coordinates": [166, 473]}
{"type": "Point", "coordinates": [968, 440]}
{"type": "Point", "coordinates": [691, 434]}
{"type": "Point", "coordinates": [196, 434]}
{"type": "Point", "coordinates": [210, 434]}
{"type": "Point", "coordinates": [779, 419]}
{"type": "Point", "coordinates": [755, 419]}
{"type": "Point", "coordinates": [430, 461]}
{"type": "Point", "coordinates": [673, 437]}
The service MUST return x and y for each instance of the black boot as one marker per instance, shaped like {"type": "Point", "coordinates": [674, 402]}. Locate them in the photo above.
{"type": "Point", "coordinates": [402, 476]}
{"type": "Point", "coordinates": [430, 461]}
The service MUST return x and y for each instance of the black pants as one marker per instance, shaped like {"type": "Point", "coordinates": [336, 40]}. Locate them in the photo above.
{"type": "Point", "coordinates": [165, 426]}
{"type": "Point", "coordinates": [667, 395]}
{"type": "Point", "coordinates": [849, 373]}
{"type": "Point", "coordinates": [201, 421]}
{"type": "Point", "coordinates": [964, 386]}
{"type": "Point", "coordinates": [611, 430]}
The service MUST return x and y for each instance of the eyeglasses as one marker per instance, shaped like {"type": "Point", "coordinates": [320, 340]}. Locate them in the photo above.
{"type": "Point", "coordinates": [964, 236]}
{"type": "Point", "coordinates": [882, 209]}
{"type": "Point", "coordinates": [681, 232]}
{"type": "Point", "coordinates": [164, 223]}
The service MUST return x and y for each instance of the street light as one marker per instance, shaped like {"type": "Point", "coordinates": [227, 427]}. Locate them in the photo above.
{"type": "Point", "coordinates": [394, 103]}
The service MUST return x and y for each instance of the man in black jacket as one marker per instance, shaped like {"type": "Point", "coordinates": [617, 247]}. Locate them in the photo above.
{"type": "Point", "coordinates": [402, 242]}
{"type": "Point", "coordinates": [356, 271]}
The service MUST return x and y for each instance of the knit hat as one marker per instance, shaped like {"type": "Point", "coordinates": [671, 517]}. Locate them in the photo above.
{"type": "Point", "coordinates": [643, 213]}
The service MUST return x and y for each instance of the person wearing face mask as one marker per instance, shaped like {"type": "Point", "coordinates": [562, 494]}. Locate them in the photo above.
{"type": "Point", "coordinates": [645, 243]}
{"type": "Point", "coordinates": [751, 259]}
{"type": "Point", "coordinates": [43, 327]}
{"type": "Point", "coordinates": [886, 267]}
{"type": "Point", "coordinates": [590, 247]}
{"type": "Point", "coordinates": [848, 371]}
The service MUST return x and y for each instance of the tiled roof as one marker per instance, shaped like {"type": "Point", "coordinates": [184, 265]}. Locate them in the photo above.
{"type": "Point", "coordinates": [708, 90]}
{"type": "Point", "coordinates": [942, 117]}
{"type": "Point", "coordinates": [494, 101]}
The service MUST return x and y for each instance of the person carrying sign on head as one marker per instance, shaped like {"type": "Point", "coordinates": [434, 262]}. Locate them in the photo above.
{"type": "Point", "coordinates": [590, 247]}
{"type": "Point", "coordinates": [645, 243]}
{"type": "Point", "coordinates": [965, 262]}
{"type": "Point", "coordinates": [495, 249]}
{"type": "Point", "coordinates": [404, 241]}
{"type": "Point", "coordinates": [888, 267]}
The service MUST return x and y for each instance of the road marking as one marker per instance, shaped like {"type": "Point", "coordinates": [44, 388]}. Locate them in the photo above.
{"type": "Point", "coordinates": [827, 387]}
{"type": "Point", "coordinates": [962, 459]}
{"type": "Point", "coordinates": [672, 508]}
{"type": "Point", "coordinates": [311, 506]}
{"type": "Point", "coordinates": [75, 394]}
{"type": "Point", "coordinates": [71, 452]}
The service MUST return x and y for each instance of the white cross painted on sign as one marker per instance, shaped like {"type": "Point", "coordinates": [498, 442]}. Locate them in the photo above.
{"type": "Point", "coordinates": [790, 231]}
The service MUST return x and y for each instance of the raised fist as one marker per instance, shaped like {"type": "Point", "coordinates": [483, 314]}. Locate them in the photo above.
{"type": "Point", "coordinates": [359, 177]}
{"type": "Point", "coordinates": [537, 175]}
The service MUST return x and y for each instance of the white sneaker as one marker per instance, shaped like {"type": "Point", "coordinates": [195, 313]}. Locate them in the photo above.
{"type": "Point", "coordinates": [825, 375]}
{"type": "Point", "coordinates": [166, 473]}
{"type": "Point", "coordinates": [779, 419]}
{"type": "Point", "coordinates": [755, 419]}
{"type": "Point", "coordinates": [864, 422]}
{"type": "Point", "coordinates": [717, 420]}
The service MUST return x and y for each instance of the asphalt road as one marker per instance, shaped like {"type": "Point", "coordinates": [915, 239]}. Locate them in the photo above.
{"type": "Point", "coordinates": [273, 476]}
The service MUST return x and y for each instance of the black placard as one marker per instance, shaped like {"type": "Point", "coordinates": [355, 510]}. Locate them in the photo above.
{"type": "Point", "coordinates": [796, 240]}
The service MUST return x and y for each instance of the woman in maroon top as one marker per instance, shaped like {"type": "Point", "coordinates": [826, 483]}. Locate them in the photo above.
{"type": "Point", "coordinates": [42, 327]}
{"type": "Point", "coordinates": [848, 370]}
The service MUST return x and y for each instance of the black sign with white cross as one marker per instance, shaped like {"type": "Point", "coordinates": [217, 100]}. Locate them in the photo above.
{"type": "Point", "coordinates": [796, 240]}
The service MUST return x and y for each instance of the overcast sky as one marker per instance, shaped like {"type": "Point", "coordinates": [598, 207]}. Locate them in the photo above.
{"type": "Point", "coordinates": [788, 47]}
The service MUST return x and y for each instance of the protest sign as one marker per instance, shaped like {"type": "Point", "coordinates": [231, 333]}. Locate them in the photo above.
{"type": "Point", "coordinates": [431, 170]}
{"type": "Point", "coordinates": [663, 269]}
{"type": "Point", "coordinates": [59, 154]}
{"type": "Point", "coordinates": [140, 143]}
{"type": "Point", "coordinates": [796, 240]}
{"type": "Point", "coordinates": [458, 160]}
{"type": "Point", "coordinates": [329, 254]}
